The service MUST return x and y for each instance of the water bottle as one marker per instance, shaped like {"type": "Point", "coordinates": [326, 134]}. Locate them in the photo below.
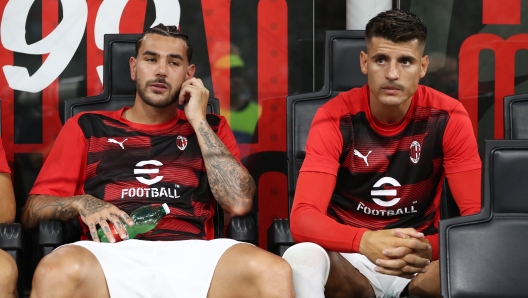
{"type": "Point", "coordinates": [144, 218]}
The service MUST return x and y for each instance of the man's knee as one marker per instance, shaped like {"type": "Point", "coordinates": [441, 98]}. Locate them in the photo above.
{"type": "Point", "coordinates": [8, 271]}
{"type": "Point", "coordinates": [270, 269]}
{"type": "Point", "coordinates": [64, 265]}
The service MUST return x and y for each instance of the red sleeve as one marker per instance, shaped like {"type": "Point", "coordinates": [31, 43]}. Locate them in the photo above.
{"type": "Point", "coordinates": [466, 190]}
{"type": "Point", "coordinates": [63, 171]}
{"type": "Point", "coordinates": [4, 167]}
{"type": "Point", "coordinates": [462, 167]}
{"type": "Point", "coordinates": [459, 143]}
{"type": "Point", "coordinates": [225, 134]}
{"type": "Point", "coordinates": [324, 144]}
{"type": "Point", "coordinates": [309, 221]}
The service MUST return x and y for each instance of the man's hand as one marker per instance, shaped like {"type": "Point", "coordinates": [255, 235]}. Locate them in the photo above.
{"type": "Point", "coordinates": [95, 212]}
{"type": "Point", "coordinates": [394, 251]}
{"type": "Point", "coordinates": [194, 96]}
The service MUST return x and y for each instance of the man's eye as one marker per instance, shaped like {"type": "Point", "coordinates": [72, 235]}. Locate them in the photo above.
{"type": "Point", "coordinates": [380, 61]}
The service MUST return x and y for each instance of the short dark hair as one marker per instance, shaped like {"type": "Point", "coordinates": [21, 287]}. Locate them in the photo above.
{"type": "Point", "coordinates": [163, 30]}
{"type": "Point", "coordinates": [397, 26]}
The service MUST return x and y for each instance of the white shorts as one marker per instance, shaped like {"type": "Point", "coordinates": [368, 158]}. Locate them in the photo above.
{"type": "Point", "coordinates": [385, 286]}
{"type": "Point", "coordinates": [136, 268]}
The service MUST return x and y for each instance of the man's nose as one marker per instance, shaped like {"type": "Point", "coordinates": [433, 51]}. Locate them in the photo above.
{"type": "Point", "coordinates": [162, 69]}
{"type": "Point", "coordinates": [393, 71]}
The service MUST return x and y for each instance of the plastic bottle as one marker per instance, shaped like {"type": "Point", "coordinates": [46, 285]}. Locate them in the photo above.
{"type": "Point", "coordinates": [144, 218]}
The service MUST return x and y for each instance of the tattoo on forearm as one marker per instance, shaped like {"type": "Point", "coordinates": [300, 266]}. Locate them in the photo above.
{"type": "Point", "coordinates": [42, 207]}
{"type": "Point", "coordinates": [230, 183]}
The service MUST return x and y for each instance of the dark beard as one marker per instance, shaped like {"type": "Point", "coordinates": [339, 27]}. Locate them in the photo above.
{"type": "Point", "coordinates": [167, 101]}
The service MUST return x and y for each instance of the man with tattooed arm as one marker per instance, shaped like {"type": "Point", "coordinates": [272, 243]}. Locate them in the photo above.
{"type": "Point", "coordinates": [151, 153]}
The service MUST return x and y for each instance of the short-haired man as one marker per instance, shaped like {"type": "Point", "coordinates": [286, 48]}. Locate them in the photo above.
{"type": "Point", "coordinates": [92, 172]}
{"type": "Point", "coordinates": [370, 186]}
{"type": "Point", "coordinates": [8, 267]}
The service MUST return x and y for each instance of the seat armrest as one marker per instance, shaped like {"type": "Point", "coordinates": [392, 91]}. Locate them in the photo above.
{"type": "Point", "coordinates": [279, 236]}
{"type": "Point", "coordinates": [242, 228]}
{"type": "Point", "coordinates": [50, 236]}
{"type": "Point", "coordinates": [443, 231]}
{"type": "Point", "coordinates": [11, 240]}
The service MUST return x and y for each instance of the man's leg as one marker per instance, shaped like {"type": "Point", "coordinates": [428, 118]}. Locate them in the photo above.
{"type": "Point", "coordinates": [318, 273]}
{"type": "Point", "coordinates": [427, 284]}
{"type": "Point", "coordinates": [70, 271]}
{"type": "Point", "coordinates": [345, 280]}
{"type": "Point", "coordinates": [8, 275]}
{"type": "Point", "coordinates": [248, 271]}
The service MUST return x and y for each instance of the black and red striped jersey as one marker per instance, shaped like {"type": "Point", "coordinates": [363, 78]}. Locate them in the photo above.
{"type": "Point", "coordinates": [131, 165]}
{"type": "Point", "coordinates": [390, 176]}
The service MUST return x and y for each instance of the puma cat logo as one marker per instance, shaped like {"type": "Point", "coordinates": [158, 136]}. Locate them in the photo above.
{"type": "Point", "coordinates": [357, 153]}
{"type": "Point", "coordinates": [119, 143]}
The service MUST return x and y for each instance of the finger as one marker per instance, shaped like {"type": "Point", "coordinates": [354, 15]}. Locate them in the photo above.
{"type": "Point", "coordinates": [411, 232]}
{"type": "Point", "coordinates": [394, 272]}
{"type": "Point", "coordinates": [124, 216]}
{"type": "Point", "coordinates": [118, 225]}
{"type": "Point", "coordinates": [416, 261]}
{"type": "Point", "coordinates": [182, 98]}
{"type": "Point", "coordinates": [93, 232]}
{"type": "Point", "coordinates": [397, 252]}
{"type": "Point", "coordinates": [195, 81]}
{"type": "Point", "coordinates": [412, 243]}
{"type": "Point", "coordinates": [394, 264]}
{"type": "Point", "coordinates": [399, 233]}
{"type": "Point", "coordinates": [106, 229]}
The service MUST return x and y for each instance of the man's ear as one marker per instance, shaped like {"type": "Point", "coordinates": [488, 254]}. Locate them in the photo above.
{"type": "Point", "coordinates": [425, 64]}
{"type": "Point", "coordinates": [132, 63]}
{"type": "Point", "coordinates": [190, 71]}
{"type": "Point", "coordinates": [363, 61]}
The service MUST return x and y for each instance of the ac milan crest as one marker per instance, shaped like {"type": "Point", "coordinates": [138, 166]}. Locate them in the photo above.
{"type": "Point", "coordinates": [415, 150]}
{"type": "Point", "coordinates": [181, 142]}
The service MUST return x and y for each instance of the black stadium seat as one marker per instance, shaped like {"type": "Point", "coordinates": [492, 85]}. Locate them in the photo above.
{"type": "Point", "coordinates": [483, 255]}
{"type": "Point", "coordinates": [516, 117]}
{"type": "Point", "coordinates": [342, 73]}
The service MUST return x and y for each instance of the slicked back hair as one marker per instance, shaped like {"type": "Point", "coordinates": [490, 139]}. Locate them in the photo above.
{"type": "Point", "coordinates": [163, 30]}
{"type": "Point", "coordinates": [396, 26]}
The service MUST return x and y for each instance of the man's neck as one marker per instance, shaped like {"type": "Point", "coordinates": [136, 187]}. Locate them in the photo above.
{"type": "Point", "coordinates": [389, 114]}
{"type": "Point", "coordinates": [143, 113]}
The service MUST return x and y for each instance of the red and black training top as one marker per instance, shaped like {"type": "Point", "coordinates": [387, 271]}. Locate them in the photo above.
{"type": "Point", "coordinates": [131, 165]}
{"type": "Point", "coordinates": [360, 174]}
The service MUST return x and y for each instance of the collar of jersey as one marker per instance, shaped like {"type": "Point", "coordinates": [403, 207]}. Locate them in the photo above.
{"type": "Point", "coordinates": [153, 127]}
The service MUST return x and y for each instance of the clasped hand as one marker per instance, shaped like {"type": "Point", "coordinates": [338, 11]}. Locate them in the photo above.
{"type": "Point", "coordinates": [400, 252]}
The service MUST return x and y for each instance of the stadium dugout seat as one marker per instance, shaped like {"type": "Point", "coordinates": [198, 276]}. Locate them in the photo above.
{"type": "Point", "coordinates": [516, 117]}
{"type": "Point", "coordinates": [342, 73]}
{"type": "Point", "coordinates": [119, 91]}
{"type": "Point", "coordinates": [484, 255]}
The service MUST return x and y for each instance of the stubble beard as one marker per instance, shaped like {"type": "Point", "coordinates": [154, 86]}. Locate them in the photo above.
{"type": "Point", "coordinates": [168, 100]}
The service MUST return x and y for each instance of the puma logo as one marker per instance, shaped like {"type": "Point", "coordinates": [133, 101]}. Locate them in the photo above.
{"type": "Point", "coordinates": [356, 153]}
{"type": "Point", "coordinates": [119, 143]}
